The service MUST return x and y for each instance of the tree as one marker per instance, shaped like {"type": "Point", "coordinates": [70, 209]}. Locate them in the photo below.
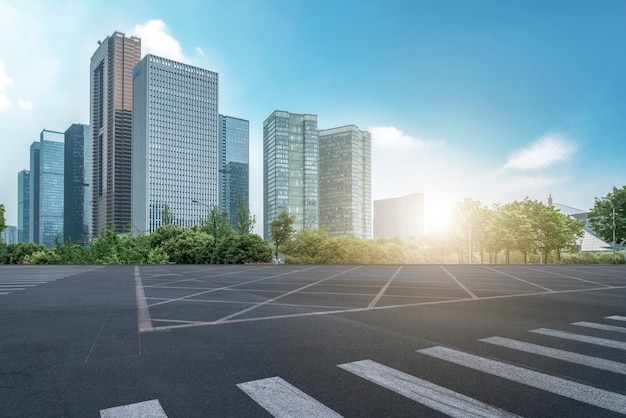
{"type": "Point", "coordinates": [167, 216]}
{"type": "Point", "coordinates": [281, 229]}
{"type": "Point", "coordinates": [244, 223]}
{"type": "Point", "coordinates": [601, 215]}
{"type": "Point", "coordinates": [217, 225]}
{"type": "Point", "coordinates": [3, 224]}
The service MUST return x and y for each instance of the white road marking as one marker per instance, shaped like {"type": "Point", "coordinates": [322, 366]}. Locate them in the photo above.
{"type": "Point", "coordinates": [565, 275]}
{"type": "Point", "coordinates": [582, 338]}
{"type": "Point", "coordinates": [382, 291]}
{"type": "Point", "coordinates": [429, 394]}
{"type": "Point", "coordinates": [281, 399]}
{"type": "Point", "coordinates": [582, 359]}
{"type": "Point", "coordinates": [588, 394]}
{"type": "Point", "coordinates": [469, 292]}
{"type": "Point", "coordinates": [600, 326]}
{"type": "Point", "coordinates": [143, 313]}
{"type": "Point", "coordinates": [145, 409]}
{"type": "Point", "coordinates": [617, 318]}
{"type": "Point", "coordinates": [521, 280]}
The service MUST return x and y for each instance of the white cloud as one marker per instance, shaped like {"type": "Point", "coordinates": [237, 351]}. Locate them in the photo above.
{"type": "Point", "coordinates": [543, 153]}
{"type": "Point", "coordinates": [25, 104]}
{"type": "Point", "coordinates": [156, 40]}
{"type": "Point", "coordinates": [391, 137]}
{"type": "Point", "coordinates": [5, 81]}
{"type": "Point", "coordinates": [199, 50]}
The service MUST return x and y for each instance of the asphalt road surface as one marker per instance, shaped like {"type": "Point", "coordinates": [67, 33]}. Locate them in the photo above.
{"type": "Point", "coordinates": [324, 341]}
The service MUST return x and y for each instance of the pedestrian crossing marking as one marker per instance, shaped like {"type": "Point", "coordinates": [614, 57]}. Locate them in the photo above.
{"type": "Point", "coordinates": [581, 338]}
{"type": "Point", "coordinates": [588, 394]}
{"type": "Point", "coordinates": [602, 327]}
{"type": "Point", "coordinates": [429, 394]}
{"type": "Point", "coordinates": [151, 409]}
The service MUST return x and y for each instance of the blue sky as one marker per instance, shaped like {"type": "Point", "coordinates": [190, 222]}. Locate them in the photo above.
{"type": "Point", "coordinates": [490, 99]}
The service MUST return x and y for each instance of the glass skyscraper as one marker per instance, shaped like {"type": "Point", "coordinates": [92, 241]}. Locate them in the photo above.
{"type": "Point", "coordinates": [345, 184]}
{"type": "Point", "coordinates": [290, 169]}
{"type": "Point", "coordinates": [77, 179]}
{"type": "Point", "coordinates": [51, 188]}
{"type": "Point", "coordinates": [23, 206]}
{"type": "Point", "coordinates": [110, 121]}
{"type": "Point", "coordinates": [33, 210]}
{"type": "Point", "coordinates": [234, 164]}
{"type": "Point", "coordinates": [175, 143]}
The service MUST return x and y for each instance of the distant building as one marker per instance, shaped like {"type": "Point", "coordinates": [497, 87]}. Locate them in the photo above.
{"type": "Point", "coordinates": [175, 143]}
{"type": "Point", "coordinates": [345, 184]}
{"type": "Point", "coordinates": [110, 120]}
{"type": "Point", "coordinates": [77, 178]}
{"type": "Point", "coordinates": [23, 206]}
{"type": "Point", "coordinates": [589, 242]}
{"type": "Point", "coordinates": [400, 216]}
{"type": "Point", "coordinates": [234, 164]}
{"type": "Point", "coordinates": [290, 169]}
{"type": "Point", "coordinates": [51, 188]}
{"type": "Point", "coordinates": [34, 179]}
{"type": "Point", "coordinates": [9, 235]}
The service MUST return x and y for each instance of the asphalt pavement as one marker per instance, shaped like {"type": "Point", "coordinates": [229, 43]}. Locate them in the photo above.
{"type": "Point", "coordinates": [283, 340]}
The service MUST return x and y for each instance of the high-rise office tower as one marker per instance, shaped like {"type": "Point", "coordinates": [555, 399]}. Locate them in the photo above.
{"type": "Point", "coordinates": [290, 158]}
{"type": "Point", "coordinates": [51, 188]}
{"type": "Point", "coordinates": [345, 184]}
{"type": "Point", "coordinates": [399, 216]}
{"type": "Point", "coordinates": [234, 165]}
{"type": "Point", "coordinates": [77, 181]}
{"type": "Point", "coordinates": [175, 143]}
{"type": "Point", "coordinates": [33, 210]}
{"type": "Point", "coordinates": [9, 235]}
{"type": "Point", "coordinates": [110, 121]}
{"type": "Point", "coordinates": [23, 206]}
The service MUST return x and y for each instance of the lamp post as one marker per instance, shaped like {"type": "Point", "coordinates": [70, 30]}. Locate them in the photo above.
{"type": "Point", "coordinates": [613, 227]}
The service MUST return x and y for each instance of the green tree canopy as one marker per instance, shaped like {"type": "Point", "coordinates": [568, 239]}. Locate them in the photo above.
{"type": "Point", "coordinates": [601, 215]}
{"type": "Point", "coordinates": [244, 222]}
{"type": "Point", "coordinates": [281, 229]}
{"type": "Point", "coordinates": [3, 224]}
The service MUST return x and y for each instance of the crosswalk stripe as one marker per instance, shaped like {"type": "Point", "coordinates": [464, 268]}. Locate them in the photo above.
{"type": "Point", "coordinates": [281, 399]}
{"type": "Point", "coordinates": [582, 359]}
{"type": "Point", "coordinates": [599, 397]}
{"type": "Point", "coordinates": [150, 409]}
{"type": "Point", "coordinates": [617, 318]}
{"type": "Point", "coordinates": [436, 397]}
{"type": "Point", "coordinates": [582, 338]}
{"type": "Point", "coordinates": [600, 326]}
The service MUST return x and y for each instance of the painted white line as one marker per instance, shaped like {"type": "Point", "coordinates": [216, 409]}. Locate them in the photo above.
{"type": "Point", "coordinates": [4, 293]}
{"type": "Point", "coordinates": [581, 338]}
{"type": "Point", "coordinates": [11, 289]}
{"type": "Point", "coordinates": [281, 399]}
{"type": "Point", "coordinates": [382, 291]}
{"type": "Point", "coordinates": [582, 359]}
{"type": "Point", "coordinates": [588, 394]}
{"type": "Point", "coordinates": [617, 318]}
{"type": "Point", "coordinates": [226, 318]}
{"type": "Point", "coordinates": [517, 278]}
{"type": "Point", "coordinates": [600, 326]}
{"type": "Point", "coordinates": [143, 313]}
{"type": "Point", "coordinates": [469, 292]}
{"type": "Point", "coordinates": [433, 396]}
{"type": "Point", "coordinates": [150, 409]}
{"type": "Point", "coordinates": [569, 277]}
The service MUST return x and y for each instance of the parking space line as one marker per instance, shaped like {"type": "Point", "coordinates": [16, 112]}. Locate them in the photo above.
{"type": "Point", "coordinates": [569, 277]}
{"type": "Point", "coordinates": [600, 326]}
{"type": "Point", "coordinates": [581, 338]}
{"type": "Point", "coordinates": [469, 292]}
{"type": "Point", "coordinates": [226, 318]}
{"type": "Point", "coordinates": [282, 399]}
{"type": "Point", "coordinates": [517, 278]}
{"type": "Point", "coordinates": [436, 397]}
{"type": "Point", "coordinates": [617, 318]}
{"type": "Point", "coordinates": [588, 394]}
{"type": "Point", "coordinates": [570, 357]}
{"type": "Point", "coordinates": [143, 313]}
{"type": "Point", "coordinates": [382, 291]}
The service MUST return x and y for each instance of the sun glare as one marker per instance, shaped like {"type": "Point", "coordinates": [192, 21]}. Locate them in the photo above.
{"type": "Point", "coordinates": [437, 219]}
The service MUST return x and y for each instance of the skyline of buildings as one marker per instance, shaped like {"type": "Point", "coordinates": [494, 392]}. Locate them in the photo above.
{"type": "Point", "coordinates": [111, 100]}
{"type": "Point", "coordinates": [174, 143]}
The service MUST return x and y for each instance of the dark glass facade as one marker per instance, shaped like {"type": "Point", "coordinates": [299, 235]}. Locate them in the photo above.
{"type": "Point", "coordinates": [33, 210]}
{"type": "Point", "coordinates": [23, 206]}
{"type": "Point", "coordinates": [234, 164]}
{"type": "Point", "coordinates": [51, 188]}
{"type": "Point", "coordinates": [77, 181]}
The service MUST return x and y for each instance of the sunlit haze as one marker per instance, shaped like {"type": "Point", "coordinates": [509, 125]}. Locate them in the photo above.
{"type": "Point", "coordinates": [488, 99]}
